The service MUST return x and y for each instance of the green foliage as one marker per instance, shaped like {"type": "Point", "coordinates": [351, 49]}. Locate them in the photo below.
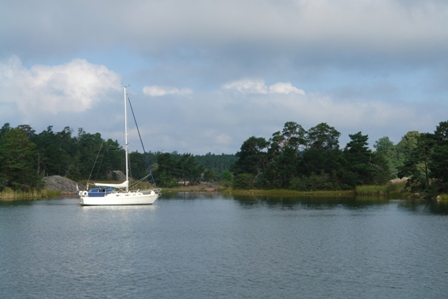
{"type": "Point", "coordinates": [244, 181]}
{"type": "Point", "coordinates": [174, 168]}
{"type": "Point", "coordinates": [298, 184]}
{"type": "Point", "coordinates": [397, 155]}
{"type": "Point", "coordinates": [426, 160]}
{"type": "Point", "coordinates": [216, 163]}
{"type": "Point", "coordinates": [227, 178]}
{"type": "Point", "coordinates": [252, 157]}
{"type": "Point", "coordinates": [17, 155]}
{"type": "Point", "coordinates": [317, 182]}
{"type": "Point", "coordinates": [209, 175]}
{"type": "Point", "coordinates": [26, 156]}
{"type": "Point", "coordinates": [292, 158]}
{"type": "Point", "coordinates": [188, 169]}
{"type": "Point", "coordinates": [281, 168]}
{"type": "Point", "coordinates": [417, 162]}
{"type": "Point", "coordinates": [296, 159]}
{"type": "Point", "coordinates": [166, 180]}
{"type": "Point", "coordinates": [358, 155]}
{"type": "Point", "coordinates": [405, 147]}
{"type": "Point", "coordinates": [388, 151]}
{"type": "Point", "coordinates": [438, 162]}
{"type": "Point", "coordinates": [323, 137]}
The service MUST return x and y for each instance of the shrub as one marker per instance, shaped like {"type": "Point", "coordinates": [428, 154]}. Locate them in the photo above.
{"type": "Point", "coordinates": [244, 181]}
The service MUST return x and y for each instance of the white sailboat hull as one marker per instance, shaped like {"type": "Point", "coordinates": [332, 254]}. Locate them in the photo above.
{"type": "Point", "coordinates": [108, 196]}
{"type": "Point", "coordinates": [120, 199]}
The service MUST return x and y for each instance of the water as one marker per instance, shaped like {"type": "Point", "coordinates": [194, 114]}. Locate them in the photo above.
{"type": "Point", "coordinates": [210, 246]}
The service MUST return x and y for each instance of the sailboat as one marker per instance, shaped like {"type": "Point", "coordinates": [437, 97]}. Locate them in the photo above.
{"type": "Point", "coordinates": [119, 194]}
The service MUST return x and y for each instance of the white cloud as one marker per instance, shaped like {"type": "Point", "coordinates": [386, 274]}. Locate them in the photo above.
{"type": "Point", "coordinates": [158, 91]}
{"type": "Point", "coordinates": [71, 87]}
{"type": "Point", "coordinates": [284, 88]}
{"type": "Point", "coordinates": [248, 86]}
{"type": "Point", "coordinates": [259, 87]}
{"type": "Point", "coordinates": [334, 48]}
{"type": "Point", "coordinates": [219, 122]}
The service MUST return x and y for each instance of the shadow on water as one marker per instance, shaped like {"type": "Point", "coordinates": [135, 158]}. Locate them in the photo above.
{"type": "Point", "coordinates": [14, 203]}
{"type": "Point", "coordinates": [425, 206]}
{"type": "Point", "coordinates": [282, 202]}
{"type": "Point", "coordinates": [41, 202]}
{"type": "Point", "coordinates": [194, 195]}
{"type": "Point", "coordinates": [314, 202]}
{"type": "Point", "coordinates": [353, 203]}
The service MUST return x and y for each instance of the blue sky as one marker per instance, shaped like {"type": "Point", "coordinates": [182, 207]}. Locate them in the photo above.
{"type": "Point", "coordinates": [206, 75]}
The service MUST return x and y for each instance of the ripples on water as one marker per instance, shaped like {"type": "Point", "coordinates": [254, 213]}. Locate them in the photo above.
{"type": "Point", "coordinates": [210, 246]}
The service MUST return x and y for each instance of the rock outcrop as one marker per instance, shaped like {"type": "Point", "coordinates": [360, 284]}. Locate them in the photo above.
{"type": "Point", "coordinates": [62, 184]}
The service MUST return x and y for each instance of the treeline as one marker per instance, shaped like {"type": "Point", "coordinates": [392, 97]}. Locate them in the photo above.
{"type": "Point", "coordinates": [312, 160]}
{"type": "Point", "coordinates": [293, 158]}
{"type": "Point", "coordinates": [26, 157]}
{"type": "Point", "coordinates": [173, 168]}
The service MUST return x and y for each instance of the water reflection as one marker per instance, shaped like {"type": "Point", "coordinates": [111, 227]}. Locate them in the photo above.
{"type": "Point", "coordinates": [425, 206]}
{"type": "Point", "coordinates": [315, 202]}
{"type": "Point", "coordinates": [13, 203]}
{"type": "Point", "coordinates": [209, 245]}
{"type": "Point", "coordinates": [272, 202]}
{"type": "Point", "coordinates": [311, 203]}
{"type": "Point", "coordinates": [194, 195]}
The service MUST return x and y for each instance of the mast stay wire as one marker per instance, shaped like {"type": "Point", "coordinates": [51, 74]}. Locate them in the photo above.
{"type": "Point", "coordinates": [141, 141]}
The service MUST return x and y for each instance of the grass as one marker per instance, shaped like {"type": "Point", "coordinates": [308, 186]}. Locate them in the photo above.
{"type": "Point", "coordinates": [10, 195]}
{"type": "Point", "coordinates": [443, 197]}
{"type": "Point", "coordinates": [389, 190]}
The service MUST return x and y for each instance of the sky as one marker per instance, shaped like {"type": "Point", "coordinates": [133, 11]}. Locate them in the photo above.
{"type": "Point", "coordinates": [203, 76]}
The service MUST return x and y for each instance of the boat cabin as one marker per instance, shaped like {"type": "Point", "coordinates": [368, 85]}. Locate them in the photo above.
{"type": "Point", "coordinates": [100, 191]}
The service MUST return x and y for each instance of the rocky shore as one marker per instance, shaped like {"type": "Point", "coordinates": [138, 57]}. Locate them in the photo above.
{"type": "Point", "coordinates": [61, 184]}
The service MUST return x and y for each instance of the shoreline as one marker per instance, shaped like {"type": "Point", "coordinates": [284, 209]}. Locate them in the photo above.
{"type": "Point", "coordinates": [372, 191]}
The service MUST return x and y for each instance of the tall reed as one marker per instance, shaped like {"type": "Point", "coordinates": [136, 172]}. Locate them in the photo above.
{"type": "Point", "coordinates": [383, 190]}
{"type": "Point", "coordinates": [9, 195]}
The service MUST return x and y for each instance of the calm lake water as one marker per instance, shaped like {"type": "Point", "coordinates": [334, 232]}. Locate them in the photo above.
{"type": "Point", "coordinates": [211, 246]}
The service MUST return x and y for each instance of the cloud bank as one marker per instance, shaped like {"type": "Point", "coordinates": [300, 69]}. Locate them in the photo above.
{"type": "Point", "coordinates": [70, 87]}
{"type": "Point", "coordinates": [403, 29]}
{"type": "Point", "coordinates": [206, 75]}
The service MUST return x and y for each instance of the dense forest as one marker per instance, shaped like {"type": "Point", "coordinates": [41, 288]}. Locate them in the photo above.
{"type": "Point", "coordinates": [293, 158]}
{"type": "Point", "coordinates": [312, 160]}
{"type": "Point", "coordinates": [26, 157]}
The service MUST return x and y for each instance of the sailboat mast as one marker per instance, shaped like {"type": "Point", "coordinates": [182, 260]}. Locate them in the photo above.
{"type": "Point", "coordinates": [126, 138]}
